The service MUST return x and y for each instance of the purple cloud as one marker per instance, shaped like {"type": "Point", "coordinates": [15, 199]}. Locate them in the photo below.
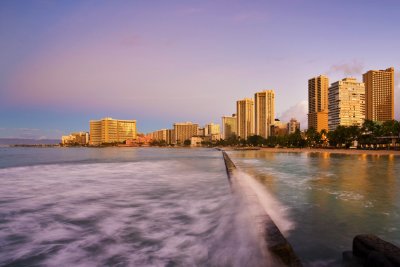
{"type": "Point", "coordinates": [354, 67]}
{"type": "Point", "coordinates": [298, 111]}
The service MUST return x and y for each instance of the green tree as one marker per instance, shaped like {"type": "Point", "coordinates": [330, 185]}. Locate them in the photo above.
{"type": "Point", "coordinates": [256, 140]}
{"type": "Point", "coordinates": [352, 134]}
{"type": "Point", "coordinates": [233, 140]}
{"type": "Point", "coordinates": [296, 140]}
{"type": "Point", "coordinates": [313, 137]}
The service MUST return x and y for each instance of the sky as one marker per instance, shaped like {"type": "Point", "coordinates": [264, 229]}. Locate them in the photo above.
{"type": "Point", "coordinates": [63, 63]}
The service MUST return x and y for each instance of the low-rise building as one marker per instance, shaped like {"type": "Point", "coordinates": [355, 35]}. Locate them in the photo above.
{"type": "Point", "coordinates": [141, 140]}
{"type": "Point", "coordinates": [292, 126]}
{"type": "Point", "coordinates": [76, 138]}
{"type": "Point", "coordinates": [278, 128]}
{"type": "Point", "coordinates": [196, 140]}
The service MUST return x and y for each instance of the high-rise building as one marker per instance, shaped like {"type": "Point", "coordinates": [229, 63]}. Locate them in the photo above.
{"type": "Point", "coordinates": [346, 103]}
{"type": "Point", "coordinates": [292, 126]}
{"type": "Point", "coordinates": [264, 112]}
{"type": "Point", "coordinates": [229, 126]}
{"type": "Point", "coordinates": [379, 94]}
{"type": "Point", "coordinates": [245, 117]}
{"type": "Point", "coordinates": [108, 130]}
{"type": "Point", "coordinates": [318, 103]}
{"type": "Point", "coordinates": [212, 129]}
{"type": "Point", "coordinates": [184, 131]}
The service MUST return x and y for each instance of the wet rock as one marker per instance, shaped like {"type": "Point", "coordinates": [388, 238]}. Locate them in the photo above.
{"type": "Point", "coordinates": [349, 260]}
{"type": "Point", "coordinates": [373, 251]}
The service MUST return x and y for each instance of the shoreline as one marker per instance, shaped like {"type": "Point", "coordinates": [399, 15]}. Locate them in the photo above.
{"type": "Point", "coordinates": [332, 151]}
{"type": "Point", "coordinates": [266, 149]}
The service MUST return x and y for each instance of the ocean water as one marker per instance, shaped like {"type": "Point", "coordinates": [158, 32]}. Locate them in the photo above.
{"type": "Point", "coordinates": [121, 207]}
{"type": "Point", "coordinates": [175, 207]}
{"type": "Point", "coordinates": [329, 198]}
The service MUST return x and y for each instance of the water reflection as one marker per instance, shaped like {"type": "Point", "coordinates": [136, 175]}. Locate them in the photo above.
{"type": "Point", "coordinates": [332, 197]}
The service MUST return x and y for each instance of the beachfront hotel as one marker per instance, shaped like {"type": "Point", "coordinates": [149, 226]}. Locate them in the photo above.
{"type": "Point", "coordinates": [184, 131]}
{"type": "Point", "coordinates": [229, 126]}
{"type": "Point", "coordinates": [346, 103]}
{"type": "Point", "coordinates": [379, 94]}
{"type": "Point", "coordinates": [318, 103]}
{"type": "Point", "coordinates": [108, 130]}
{"type": "Point", "coordinates": [264, 112]}
{"type": "Point", "coordinates": [245, 117]}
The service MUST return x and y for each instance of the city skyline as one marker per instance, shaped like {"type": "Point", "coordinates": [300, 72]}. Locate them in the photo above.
{"type": "Point", "coordinates": [66, 63]}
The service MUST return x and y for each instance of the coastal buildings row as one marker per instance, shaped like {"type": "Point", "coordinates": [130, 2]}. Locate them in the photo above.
{"type": "Point", "coordinates": [187, 133]}
{"type": "Point", "coordinates": [104, 131]}
{"type": "Point", "coordinates": [108, 131]}
{"type": "Point", "coordinates": [346, 102]}
{"type": "Point", "coordinates": [349, 102]}
{"type": "Point", "coordinates": [256, 117]}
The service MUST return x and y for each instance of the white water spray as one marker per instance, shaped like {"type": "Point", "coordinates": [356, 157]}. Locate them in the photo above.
{"type": "Point", "coordinates": [276, 210]}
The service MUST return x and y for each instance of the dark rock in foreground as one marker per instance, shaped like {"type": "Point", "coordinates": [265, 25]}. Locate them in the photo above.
{"type": "Point", "coordinates": [371, 251]}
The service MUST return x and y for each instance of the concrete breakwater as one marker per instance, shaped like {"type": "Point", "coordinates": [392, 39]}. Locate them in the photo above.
{"type": "Point", "coordinates": [271, 237]}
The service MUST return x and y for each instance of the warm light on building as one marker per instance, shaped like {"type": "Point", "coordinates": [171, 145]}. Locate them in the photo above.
{"type": "Point", "coordinates": [264, 112]}
{"type": "Point", "coordinates": [379, 94]}
{"type": "Point", "coordinates": [76, 138]}
{"type": "Point", "coordinates": [212, 129]}
{"type": "Point", "coordinates": [160, 135]}
{"type": "Point", "coordinates": [109, 130]}
{"type": "Point", "coordinates": [245, 117]}
{"type": "Point", "coordinates": [184, 131]}
{"type": "Point", "coordinates": [318, 103]}
{"type": "Point", "coordinates": [346, 103]}
{"type": "Point", "coordinates": [229, 126]}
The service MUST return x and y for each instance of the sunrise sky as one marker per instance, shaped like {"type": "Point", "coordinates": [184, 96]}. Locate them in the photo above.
{"type": "Point", "coordinates": [63, 63]}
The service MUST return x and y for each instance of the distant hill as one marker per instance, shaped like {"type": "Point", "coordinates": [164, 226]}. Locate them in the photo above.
{"type": "Point", "coordinates": [21, 141]}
